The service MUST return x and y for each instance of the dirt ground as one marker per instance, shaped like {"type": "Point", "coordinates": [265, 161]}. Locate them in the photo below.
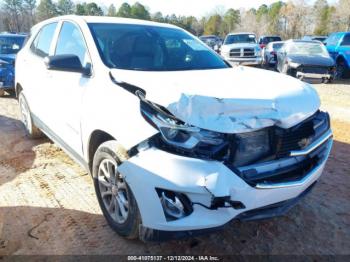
{"type": "Point", "coordinates": [48, 205]}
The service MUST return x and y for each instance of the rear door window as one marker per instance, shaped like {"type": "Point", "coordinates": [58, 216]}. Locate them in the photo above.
{"type": "Point", "coordinates": [42, 42]}
{"type": "Point", "coordinates": [346, 40]}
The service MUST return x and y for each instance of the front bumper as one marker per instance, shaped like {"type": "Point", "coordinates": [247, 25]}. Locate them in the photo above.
{"type": "Point", "coordinates": [303, 75]}
{"type": "Point", "coordinates": [202, 181]}
{"type": "Point", "coordinates": [244, 60]}
{"type": "Point", "coordinates": [274, 210]}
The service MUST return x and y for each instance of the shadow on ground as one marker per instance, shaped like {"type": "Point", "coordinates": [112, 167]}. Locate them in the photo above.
{"type": "Point", "coordinates": [319, 224]}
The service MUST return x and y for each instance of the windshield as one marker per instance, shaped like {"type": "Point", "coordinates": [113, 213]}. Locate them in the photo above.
{"type": "Point", "coordinates": [302, 48]}
{"type": "Point", "coordinates": [277, 46]}
{"type": "Point", "coordinates": [270, 39]}
{"type": "Point", "coordinates": [208, 39]}
{"type": "Point", "coordinates": [10, 45]}
{"type": "Point", "coordinates": [152, 48]}
{"type": "Point", "coordinates": [321, 39]}
{"type": "Point", "coordinates": [244, 38]}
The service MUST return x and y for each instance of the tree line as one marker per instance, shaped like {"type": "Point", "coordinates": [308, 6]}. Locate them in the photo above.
{"type": "Point", "coordinates": [291, 19]}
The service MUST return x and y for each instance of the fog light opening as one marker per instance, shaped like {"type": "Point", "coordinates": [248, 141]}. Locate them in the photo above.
{"type": "Point", "coordinates": [175, 205]}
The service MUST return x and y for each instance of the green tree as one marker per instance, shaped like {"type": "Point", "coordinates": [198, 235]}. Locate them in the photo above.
{"type": "Point", "coordinates": [231, 20]}
{"type": "Point", "coordinates": [46, 9]}
{"type": "Point", "coordinates": [321, 12]}
{"type": "Point", "coordinates": [140, 12]}
{"type": "Point", "coordinates": [212, 27]}
{"type": "Point", "coordinates": [274, 17]}
{"type": "Point", "coordinates": [158, 17]}
{"type": "Point", "coordinates": [65, 7]}
{"type": "Point", "coordinates": [88, 9]}
{"type": "Point", "coordinates": [80, 9]}
{"type": "Point", "coordinates": [93, 9]}
{"type": "Point", "coordinates": [112, 11]}
{"type": "Point", "coordinates": [29, 7]}
{"type": "Point", "coordinates": [124, 10]}
{"type": "Point", "coordinates": [14, 9]}
{"type": "Point", "coordinates": [262, 11]}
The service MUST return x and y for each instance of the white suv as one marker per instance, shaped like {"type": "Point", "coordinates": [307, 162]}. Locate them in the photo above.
{"type": "Point", "coordinates": [176, 140]}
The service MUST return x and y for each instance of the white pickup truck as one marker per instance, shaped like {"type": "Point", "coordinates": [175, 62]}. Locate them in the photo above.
{"type": "Point", "coordinates": [241, 48]}
{"type": "Point", "coordinates": [177, 141]}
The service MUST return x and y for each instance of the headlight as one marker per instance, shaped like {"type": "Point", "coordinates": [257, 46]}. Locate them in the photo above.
{"type": "Point", "coordinates": [293, 64]}
{"type": "Point", "coordinates": [179, 138]}
{"type": "Point", "coordinates": [179, 134]}
{"type": "Point", "coordinates": [251, 146]}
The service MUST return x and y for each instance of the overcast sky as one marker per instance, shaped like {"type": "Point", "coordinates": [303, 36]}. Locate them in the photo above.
{"type": "Point", "coordinates": [196, 8]}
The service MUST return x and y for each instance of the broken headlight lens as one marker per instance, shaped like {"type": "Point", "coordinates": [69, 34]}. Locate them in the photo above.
{"type": "Point", "coordinates": [176, 133]}
{"type": "Point", "coordinates": [251, 147]}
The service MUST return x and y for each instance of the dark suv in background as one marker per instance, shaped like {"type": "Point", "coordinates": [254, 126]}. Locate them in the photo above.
{"type": "Point", "coordinates": [264, 40]}
{"type": "Point", "coordinates": [212, 41]}
{"type": "Point", "coordinates": [10, 44]}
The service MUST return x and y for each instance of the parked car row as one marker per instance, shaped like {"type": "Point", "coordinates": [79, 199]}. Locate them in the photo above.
{"type": "Point", "coordinates": [313, 57]}
{"type": "Point", "coordinates": [306, 60]}
{"type": "Point", "coordinates": [212, 41]}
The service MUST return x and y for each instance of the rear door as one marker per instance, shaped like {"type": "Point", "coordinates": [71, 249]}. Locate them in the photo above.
{"type": "Point", "coordinates": [344, 48]}
{"type": "Point", "coordinates": [36, 80]}
{"type": "Point", "coordinates": [332, 45]}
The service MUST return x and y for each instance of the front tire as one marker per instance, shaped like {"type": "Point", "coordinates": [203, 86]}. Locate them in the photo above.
{"type": "Point", "coordinates": [32, 131]}
{"type": "Point", "coordinates": [115, 197]}
{"type": "Point", "coordinates": [341, 70]}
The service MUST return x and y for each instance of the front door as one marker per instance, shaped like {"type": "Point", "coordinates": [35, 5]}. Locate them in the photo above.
{"type": "Point", "coordinates": [69, 88]}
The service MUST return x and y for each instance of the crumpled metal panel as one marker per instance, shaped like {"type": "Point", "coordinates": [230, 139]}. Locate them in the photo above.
{"type": "Point", "coordinates": [235, 100]}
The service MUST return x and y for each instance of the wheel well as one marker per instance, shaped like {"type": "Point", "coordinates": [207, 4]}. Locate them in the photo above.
{"type": "Point", "coordinates": [96, 139]}
{"type": "Point", "coordinates": [341, 59]}
{"type": "Point", "coordinates": [18, 89]}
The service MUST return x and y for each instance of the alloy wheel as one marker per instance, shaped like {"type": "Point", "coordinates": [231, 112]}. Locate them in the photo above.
{"type": "Point", "coordinates": [25, 113]}
{"type": "Point", "coordinates": [113, 191]}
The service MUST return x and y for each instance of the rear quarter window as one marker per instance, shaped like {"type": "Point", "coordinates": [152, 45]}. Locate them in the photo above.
{"type": "Point", "coordinates": [42, 42]}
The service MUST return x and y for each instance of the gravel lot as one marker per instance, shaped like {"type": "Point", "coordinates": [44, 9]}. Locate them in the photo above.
{"type": "Point", "coordinates": [48, 205]}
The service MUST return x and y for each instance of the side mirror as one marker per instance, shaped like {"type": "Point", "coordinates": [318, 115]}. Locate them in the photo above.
{"type": "Point", "coordinates": [69, 63]}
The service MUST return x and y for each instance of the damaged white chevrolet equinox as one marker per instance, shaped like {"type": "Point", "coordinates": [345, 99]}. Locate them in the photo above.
{"type": "Point", "coordinates": [177, 141]}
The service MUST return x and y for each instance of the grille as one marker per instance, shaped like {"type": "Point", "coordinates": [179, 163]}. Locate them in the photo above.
{"type": "Point", "coordinates": [294, 140]}
{"type": "Point", "coordinates": [300, 136]}
{"type": "Point", "coordinates": [248, 52]}
{"type": "Point", "coordinates": [242, 52]}
{"type": "Point", "coordinates": [314, 70]}
{"type": "Point", "coordinates": [235, 52]}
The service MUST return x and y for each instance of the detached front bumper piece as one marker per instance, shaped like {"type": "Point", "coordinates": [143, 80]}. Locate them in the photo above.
{"type": "Point", "coordinates": [274, 210]}
{"type": "Point", "coordinates": [302, 75]}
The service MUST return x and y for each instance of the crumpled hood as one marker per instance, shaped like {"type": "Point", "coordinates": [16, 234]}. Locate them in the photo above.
{"type": "Point", "coordinates": [312, 60]}
{"type": "Point", "coordinates": [232, 100]}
